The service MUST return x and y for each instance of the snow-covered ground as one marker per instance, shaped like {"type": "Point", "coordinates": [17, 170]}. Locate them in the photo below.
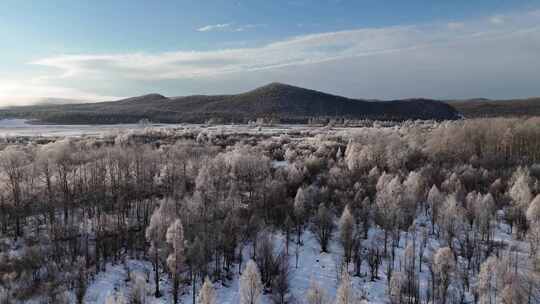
{"type": "Point", "coordinates": [312, 266]}
{"type": "Point", "coordinates": [21, 127]}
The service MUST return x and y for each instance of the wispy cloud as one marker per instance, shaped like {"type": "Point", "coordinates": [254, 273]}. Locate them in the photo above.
{"type": "Point", "coordinates": [477, 41]}
{"type": "Point", "coordinates": [307, 49]}
{"type": "Point", "coordinates": [246, 27]}
{"type": "Point", "coordinates": [499, 19]}
{"type": "Point", "coordinates": [229, 27]}
{"type": "Point", "coordinates": [214, 27]}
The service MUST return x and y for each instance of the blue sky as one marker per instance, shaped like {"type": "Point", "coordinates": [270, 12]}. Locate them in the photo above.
{"type": "Point", "coordinates": [100, 50]}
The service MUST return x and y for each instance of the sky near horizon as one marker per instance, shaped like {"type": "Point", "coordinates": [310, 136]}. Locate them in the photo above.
{"type": "Point", "coordinates": [104, 50]}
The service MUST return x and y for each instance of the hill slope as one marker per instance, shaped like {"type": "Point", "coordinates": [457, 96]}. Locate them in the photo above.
{"type": "Point", "coordinates": [497, 108]}
{"type": "Point", "coordinates": [288, 103]}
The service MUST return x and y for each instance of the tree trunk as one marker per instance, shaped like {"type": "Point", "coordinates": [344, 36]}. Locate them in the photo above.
{"type": "Point", "coordinates": [156, 274]}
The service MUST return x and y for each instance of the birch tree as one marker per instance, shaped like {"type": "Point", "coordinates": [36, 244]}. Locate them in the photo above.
{"type": "Point", "coordinates": [250, 284]}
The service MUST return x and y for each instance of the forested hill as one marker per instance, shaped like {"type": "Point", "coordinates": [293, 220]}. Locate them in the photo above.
{"type": "Point", "coordinates": [497, 108]}
{"type": "Point", "coordinates": [278, 101]}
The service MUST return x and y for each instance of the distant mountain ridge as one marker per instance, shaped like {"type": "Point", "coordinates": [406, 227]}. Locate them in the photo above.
{"type": "Point", "coordinates": [276, 100]}
{"type": "Point", "coordinates": [481, 107]}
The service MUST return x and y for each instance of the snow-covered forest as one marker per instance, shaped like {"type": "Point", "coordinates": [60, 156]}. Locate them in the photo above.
{"type": "Point", "coordinates": [418, 212]}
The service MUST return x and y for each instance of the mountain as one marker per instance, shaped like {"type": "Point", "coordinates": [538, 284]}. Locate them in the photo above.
{"type": "Point", "coordinates": [482, 107]}
{"type": "Point", "coordinates": [288, 103]}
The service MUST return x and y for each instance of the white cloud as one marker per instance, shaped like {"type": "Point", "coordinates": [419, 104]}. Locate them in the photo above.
{"type": "Point", "coordinates": [229, 27]}
{"type": "Point", "coordinates": [214, 27]}
{"type": "Point", "coordinates": [473, 42]}
{"type": "Point", "coordinates": [246, 27]}
{"type": "Point", "coordinates": [307, 49]}
{"type": "Point", "coordinates": [497, 19]}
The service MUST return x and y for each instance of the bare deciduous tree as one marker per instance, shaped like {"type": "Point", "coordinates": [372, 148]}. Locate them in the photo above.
{"type": "Point", "coordinates": [322, 227]}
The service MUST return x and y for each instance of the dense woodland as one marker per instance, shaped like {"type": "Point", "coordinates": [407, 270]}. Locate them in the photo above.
{"type": "Point", "coordinates": [475, 108]}
{"type": "Point", "coordinates": [419, 205]}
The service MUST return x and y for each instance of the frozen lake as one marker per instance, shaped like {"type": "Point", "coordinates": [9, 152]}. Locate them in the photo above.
{"type": "Point", "coordinates": [21, 127]}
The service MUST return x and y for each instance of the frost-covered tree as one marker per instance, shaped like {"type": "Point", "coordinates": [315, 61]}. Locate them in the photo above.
{"type": "Point", "coordinates": [411, 282]}
{"type": "Point", "coordinates": [487, 281]}
{"type": "Point", "coordinates": [266, 257]}
{"type": "Point", "coordinates": [397, 151]}
{"type": "Point", "coordinates": [521, 195]}
{"type": "Point", "coordinates": [85, 203]}
{"type": "Point", "coordinates": [250, 284]}
{"type": "Point", "coordinates": [230, 232]}
{"type": "Point", "coordinates": [196, 262]}
{"type": "Point", "coordinates": [345, 293]}
{"type": "Point", "coordinates": [249, 169]}
{"type": "Point", "coordinates": [451, 218]}
{"type": "Point", "coordinates": [63, 156]}
{"type": "Point", "coordinates": [316, 294]}
{"type": "Point", "coordinates": [396, 286]}
{"type": "Point", "coordinates": [435, 199]}
{"type": "Point", "coordinates": [520, 190]}
{"type": "Point", "coordinates": [116, 298]}
{"type": "Point", "coordinates": [300, 204]}
{"type": "Point", "coordinates": [511, 294]}
{"type": "Point", "coordinates": [454, 185]}
{"type": "Point", "coordinates": [363, 214]}
{"type": "Point", "coordinates": [509, 278]}
{"type": "Point", "coordinates": [295, 174]}
{"type": "Point", "coordinates": [479, 211]}
{"type": "Point", "coordinates": [346, 233]}
{"type": "Point", "coordinates": [415, 188]}
{"type": "Point", "coordinates": [138, 291]}
{"type": "Point", "coordinates": [352, 155]}
{"type": "Point", "coordinates": [156, 231]}
{"type": "Point", "coordinates": [44, 167]}
{"type": "Point", "coordinates": [444, 266]}
{"type": "Point", "coordinates": [533, 212]}
{"type": "Point", "coordinates": [484, 213]}
{"type": "Point", "coordinates": [390, 205]}
{"type": "Point", "coordinates": [290, 154]}
{"type": "Point", "coordinates": [213, 182]}
{"type": "Point", "coordinates": [374, 174]}
{"type": "Point", "coordinates": [175, 260]}
{"type": "Point", "coordinates": [323, 226]}
{"type": "Point", "coordinates": [288, 226]}
{"type": "Point", "coordinates": [533, 234]}
{"type": "Point", "coordinates": [14, 163]}
{"type": "Point", "coordinates": [207, 294]}
{"type": "Point", "coordinates": [176, 168]}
